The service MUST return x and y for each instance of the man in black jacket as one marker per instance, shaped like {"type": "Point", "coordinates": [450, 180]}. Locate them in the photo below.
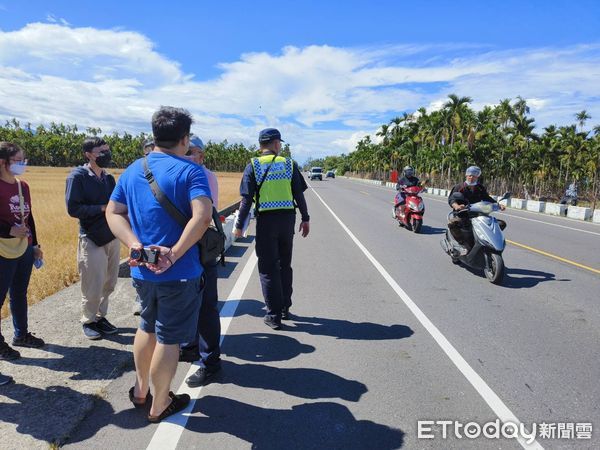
{"type": "Point", "coordinates": [88, 190]}
{"type": "Point", "coordinates": [463, 194]}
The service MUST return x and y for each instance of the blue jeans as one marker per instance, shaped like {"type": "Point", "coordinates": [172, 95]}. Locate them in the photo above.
{"type": "Point", "coordinates": [14, 280]}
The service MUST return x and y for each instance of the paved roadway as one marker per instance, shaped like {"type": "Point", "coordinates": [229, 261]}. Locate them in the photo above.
{"type": "Point", "coordinates": [386, 332]}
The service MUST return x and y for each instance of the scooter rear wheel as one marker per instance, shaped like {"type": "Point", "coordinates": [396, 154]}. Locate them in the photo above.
{"type": "Point", "coordinates": [494, 268]}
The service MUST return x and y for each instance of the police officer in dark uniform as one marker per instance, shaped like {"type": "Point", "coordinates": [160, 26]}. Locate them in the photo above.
{"type": "Point", "coordinates": [276, 186]}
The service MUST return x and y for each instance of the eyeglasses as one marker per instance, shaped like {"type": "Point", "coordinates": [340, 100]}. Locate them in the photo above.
{"type": "Point", "coordinates": [18, 161]}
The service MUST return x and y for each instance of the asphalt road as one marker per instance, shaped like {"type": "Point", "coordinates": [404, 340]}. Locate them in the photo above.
{"type": "Point", "coordinates": [386, 332]}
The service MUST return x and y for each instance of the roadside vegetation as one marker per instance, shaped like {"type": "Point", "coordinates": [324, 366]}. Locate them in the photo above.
{"type": "Point", "coordinates": [501, 139]}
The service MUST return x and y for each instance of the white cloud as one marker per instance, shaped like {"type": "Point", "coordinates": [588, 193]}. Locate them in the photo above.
{"type": "Point", "coordinates": [53, 19]}
{"type": "Point", "coordinates": [324, 99]}
{"type": "Point", "coordinates": [536, 103]}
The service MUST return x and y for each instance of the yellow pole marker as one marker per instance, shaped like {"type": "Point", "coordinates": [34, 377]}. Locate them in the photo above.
{"type": "Point", "coordinates": [568, 261]}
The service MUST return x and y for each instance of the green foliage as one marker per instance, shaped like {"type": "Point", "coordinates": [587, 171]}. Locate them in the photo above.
{"type": "Point", "coordinates": [500, 139]}
{"type": "Point", "coordinates": [60, 146]}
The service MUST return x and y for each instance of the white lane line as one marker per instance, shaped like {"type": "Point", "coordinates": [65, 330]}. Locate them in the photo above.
{"type": "Point", "coordinates": [488, 395]}
{"type": "Point", "coordinates": [169, 431]}
{"type": "Point", "coordinates": [553, 224]}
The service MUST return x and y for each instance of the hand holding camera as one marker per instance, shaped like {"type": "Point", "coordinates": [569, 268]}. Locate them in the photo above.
{"type": "Point", "coordinates": [144, 255]}
{"type": "Point", "coordinates": [156, 258]}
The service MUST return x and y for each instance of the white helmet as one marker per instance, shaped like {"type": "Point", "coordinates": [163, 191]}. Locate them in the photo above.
{"type": "Point", "coordinates": [409, 171]}
{"type": "Point", "coordinates": [474, 171]}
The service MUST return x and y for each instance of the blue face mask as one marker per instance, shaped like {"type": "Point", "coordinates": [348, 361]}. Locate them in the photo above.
{"type": "Point", "coordinates": [18, 168]}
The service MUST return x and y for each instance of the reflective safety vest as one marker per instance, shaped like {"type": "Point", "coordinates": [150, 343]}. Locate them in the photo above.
{"type": "Point", "coordinates": [276, 191]}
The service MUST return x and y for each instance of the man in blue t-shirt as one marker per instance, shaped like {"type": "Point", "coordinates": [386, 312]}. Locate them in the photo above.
{"type": "Point", "coordinates": [170, 289]}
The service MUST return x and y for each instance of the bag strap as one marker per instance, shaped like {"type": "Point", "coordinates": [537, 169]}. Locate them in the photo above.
{"type": "Point", "coordinates": [162, 198]}
{"type": "Point", "coordinates": [164, 201]}
{"type": "Point", "coordinates": [21, 202]}
{"type": "Point", "coordinates": [261, 183]}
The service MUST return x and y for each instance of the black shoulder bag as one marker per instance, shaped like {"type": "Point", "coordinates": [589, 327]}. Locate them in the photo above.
{"type": "Point", "coordinates": [212, 243]}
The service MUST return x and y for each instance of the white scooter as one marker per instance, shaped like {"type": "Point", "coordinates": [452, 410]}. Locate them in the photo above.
{"type": "Point", "coordinates": [488, 241]}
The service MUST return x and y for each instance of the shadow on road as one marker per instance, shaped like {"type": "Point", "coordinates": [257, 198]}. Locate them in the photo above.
{"type": "Point", "coordinates": [344, 329]}
{"type": "Point", "coordinates": [522, 278]}
{"type": "Point", "coordinates": [338, 328]}
{"type": "Point", "coordinates": [321, 326]}
{"type": "Point", "coordinates": [299, 382]}
{"type": "Point", "coordinates": [46, 414]}
{"type": "Point", "coordinates": [225, 272]}
{"type": "Point", "coordinates": [86, 363]}
{"type": "Point", "coordinates": [518, 278]}
{"type": "Point", "coordinates": [426, 229]}
{"type": "Point", "coordinates": [309, 425]}
{"type": "Point", "coordinates": [264, 347]}
{"type": "Point", "coordinates": [237, 251]}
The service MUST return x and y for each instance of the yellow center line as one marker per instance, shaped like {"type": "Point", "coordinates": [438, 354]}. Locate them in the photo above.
{"type": "Point", "coordinates": [568, 261]}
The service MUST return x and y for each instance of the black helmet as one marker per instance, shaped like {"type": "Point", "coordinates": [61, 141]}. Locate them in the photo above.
{"type": "Point", "coordinates": [408, 171]}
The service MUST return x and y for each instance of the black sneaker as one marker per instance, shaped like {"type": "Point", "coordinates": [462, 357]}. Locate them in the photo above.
{"type": "Point", "coordinates": [105, 327]}
{"type": "Point", "coordinates": [273, 323]}
{"type": "Point", "coordinates": [90, 330]}
{"type": "Point", "coordinates": [201, 377]}
{"type": "Point", "coordinates": [8, 353]}
{"type": "Point", "coordinates": [29, 340]}
{"type": "Point", "coordinates": [190, 354]}
{"type": "Point", "coordinates": [137, 308]}
{"type": "Point", "coordinates": [285, 314]}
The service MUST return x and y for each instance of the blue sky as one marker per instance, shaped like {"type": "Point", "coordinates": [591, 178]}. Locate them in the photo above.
{"type": "Point", "coordinates": [325, 73]}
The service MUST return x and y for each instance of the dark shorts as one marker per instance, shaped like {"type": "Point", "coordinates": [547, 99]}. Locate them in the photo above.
{"type": "Point", "coordinates": [170, 309]}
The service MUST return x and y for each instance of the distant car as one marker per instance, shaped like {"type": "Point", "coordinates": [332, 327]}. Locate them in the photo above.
{"type": "Point", "coordinates": [316, 172]}
{"type": "Point", "coordinates": [330, 174]}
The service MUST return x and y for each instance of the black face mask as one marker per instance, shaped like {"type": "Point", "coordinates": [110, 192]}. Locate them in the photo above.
{"type": "Point", "coordinates": [104, 159]}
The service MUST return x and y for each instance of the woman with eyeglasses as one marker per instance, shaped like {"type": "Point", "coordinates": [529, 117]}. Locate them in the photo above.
{"type": "Point", "coordinates": [18, 247]}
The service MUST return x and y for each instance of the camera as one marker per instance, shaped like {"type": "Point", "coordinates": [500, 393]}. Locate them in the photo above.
{"type": "Point", "coordinates": [146, 254]}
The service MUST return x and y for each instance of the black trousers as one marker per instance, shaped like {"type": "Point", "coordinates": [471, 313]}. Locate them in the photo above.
{"type": "Point", "coordinates": [274, 241]}
{"type": "Point", "coordinates": [208, 333]}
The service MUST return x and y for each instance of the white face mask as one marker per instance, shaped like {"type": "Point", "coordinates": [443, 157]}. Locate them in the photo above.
{"type": "Point", "coordinates": [471, 183]}
{"type": "Point", "coordinates": [17, 168]}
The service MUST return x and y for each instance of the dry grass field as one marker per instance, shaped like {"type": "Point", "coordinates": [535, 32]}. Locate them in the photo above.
{"type": "Point", "coordinates": [57, 231]}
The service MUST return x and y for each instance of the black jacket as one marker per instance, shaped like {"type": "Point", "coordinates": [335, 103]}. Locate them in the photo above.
{"type": "Point", "coordinates": [467, 195]}
{"type": "Point", "coordinates": [85, 195]}
{"type": "Point", "coordinates": [406, 182]}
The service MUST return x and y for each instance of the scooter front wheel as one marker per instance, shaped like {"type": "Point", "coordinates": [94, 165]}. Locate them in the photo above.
{"type": "Point", "coordinates": [494, 268]}
{"type": "Point", "coordinates": [417, 224]}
